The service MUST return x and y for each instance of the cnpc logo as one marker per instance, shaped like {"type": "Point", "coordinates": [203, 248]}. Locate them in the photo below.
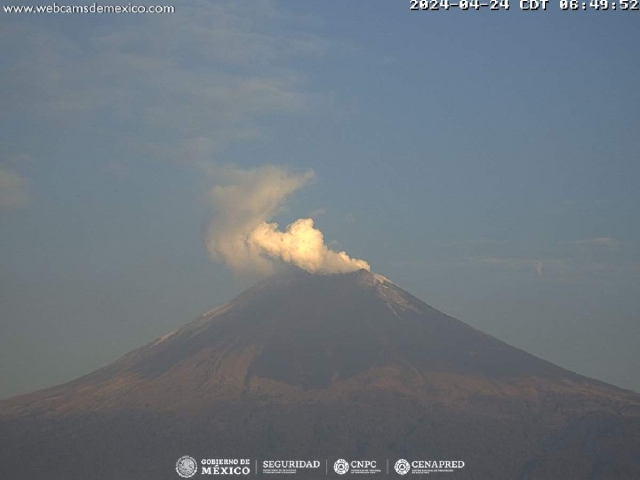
{"type": "Point", "coordinates": [363, 464]}
{"type": "Point", "coordinates": [341, 466]}
{"type": "Point", "coordinates": [356, 466]}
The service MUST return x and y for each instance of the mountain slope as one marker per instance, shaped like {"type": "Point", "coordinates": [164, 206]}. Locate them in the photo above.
{"type": "Point", "coordinates": [318, 365]}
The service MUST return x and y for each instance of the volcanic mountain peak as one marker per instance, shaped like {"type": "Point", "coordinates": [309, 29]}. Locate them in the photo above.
{"type": "Point", "coordinates": [303, 365]}
{"type": "Point", "coordinates": [302, 337]}
{"type": "Point", "coordinates": [369, 278]}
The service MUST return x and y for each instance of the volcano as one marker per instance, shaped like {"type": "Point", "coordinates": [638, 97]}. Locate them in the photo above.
{"type": "Point", "coordinates": [322, 367]}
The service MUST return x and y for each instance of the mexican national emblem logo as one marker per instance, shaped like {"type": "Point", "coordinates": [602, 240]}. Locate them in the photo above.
{"type": "Point", "coordinates": [402, 466]}
{"type": "Point", "coordinates": [341, 466]}
{"type": "Point", "coordinates": [186, 466]}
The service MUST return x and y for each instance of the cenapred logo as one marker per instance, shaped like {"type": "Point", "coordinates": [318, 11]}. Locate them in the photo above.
{"type": "Point", "coordinates": [341, 466]}
{"type": "Point", "coordinates": [402, 467]}
{"type": "Point", "coordinates": [186, 466]}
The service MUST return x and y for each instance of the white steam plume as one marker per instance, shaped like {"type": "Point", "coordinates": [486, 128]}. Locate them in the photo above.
{"type": "Point", "coordinates": [240, 233]}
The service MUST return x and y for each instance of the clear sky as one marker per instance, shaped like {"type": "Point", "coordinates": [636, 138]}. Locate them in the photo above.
{"type": "Point", "coordinates": [487, 162]}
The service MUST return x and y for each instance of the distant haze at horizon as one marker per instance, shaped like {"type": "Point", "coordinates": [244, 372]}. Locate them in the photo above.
{"type": "Point", "coordinates": [487, 164]}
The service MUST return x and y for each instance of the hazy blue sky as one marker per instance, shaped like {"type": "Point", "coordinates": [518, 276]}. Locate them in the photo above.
{"type": "Point", "coordinates": [487, 162]}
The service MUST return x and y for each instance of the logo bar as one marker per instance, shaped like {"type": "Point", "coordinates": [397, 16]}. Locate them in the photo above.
{"type": "Point", "coordinates": [188, 467]}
